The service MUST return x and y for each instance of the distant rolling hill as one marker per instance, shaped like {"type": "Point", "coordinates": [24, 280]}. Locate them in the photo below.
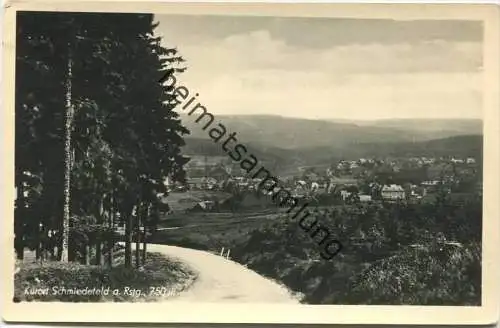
{"type": "Point", "coordinates": [292, 142]}
{"type": "Point", "coordinates": [277, 132]}
{"type": "Point", "coordinates": [433, 128]}
{"type": "Point", "coordinates": [206, 147]}
{"type": "Point", "coordinates": [460, 146]}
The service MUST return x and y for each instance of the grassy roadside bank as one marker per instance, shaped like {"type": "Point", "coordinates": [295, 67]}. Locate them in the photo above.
{"type": "Point", "coordinates": [159, 278]}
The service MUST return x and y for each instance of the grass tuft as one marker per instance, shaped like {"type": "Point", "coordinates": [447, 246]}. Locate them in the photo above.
{"type": "Point", "coordinates": [158, 279]}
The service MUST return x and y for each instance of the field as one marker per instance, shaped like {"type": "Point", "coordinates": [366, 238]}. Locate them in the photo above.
{"type": "Point", "coordinates": [210, 231]}
{"type": "Point", "coordinates": [207, 230]}
{"type": "Point", "coordinates": [181, 201]}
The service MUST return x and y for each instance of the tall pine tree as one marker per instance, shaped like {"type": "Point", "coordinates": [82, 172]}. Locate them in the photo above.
{"type": "Point", "coordinates": [96, 133]}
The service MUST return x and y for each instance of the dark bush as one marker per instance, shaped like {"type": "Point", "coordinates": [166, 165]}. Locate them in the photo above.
{"type": "Point", "coordinates": [413, 254]}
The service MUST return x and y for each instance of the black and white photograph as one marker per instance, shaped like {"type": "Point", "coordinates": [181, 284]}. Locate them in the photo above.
{"type": "Point", "coordinates": [249, 159]}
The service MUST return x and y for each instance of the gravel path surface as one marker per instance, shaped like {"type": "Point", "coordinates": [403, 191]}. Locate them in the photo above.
{"type": "Point", "coordinates": [221, 280]}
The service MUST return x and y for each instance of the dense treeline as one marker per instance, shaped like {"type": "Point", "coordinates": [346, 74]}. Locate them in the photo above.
{"type": "Point", "coordinates": [393, 253]}
{"type": "Point", "coordinates": [96, 133]}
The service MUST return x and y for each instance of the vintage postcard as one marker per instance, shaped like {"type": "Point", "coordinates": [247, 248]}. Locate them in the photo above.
{"type": "Point", "coordinates": [250, 163]}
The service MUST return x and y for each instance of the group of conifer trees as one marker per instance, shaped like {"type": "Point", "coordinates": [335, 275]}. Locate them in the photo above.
{"type": "Point", "coordinates": [95, 133]}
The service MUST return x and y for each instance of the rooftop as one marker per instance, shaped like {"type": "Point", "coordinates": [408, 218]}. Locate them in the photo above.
{"type": "Point", "coordinates": [392, 187]}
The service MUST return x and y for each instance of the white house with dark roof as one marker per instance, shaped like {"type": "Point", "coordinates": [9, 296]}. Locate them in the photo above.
{"type": "Point", "coordinates": [392, 192]}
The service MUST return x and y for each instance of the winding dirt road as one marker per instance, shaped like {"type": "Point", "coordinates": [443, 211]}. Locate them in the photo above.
{"type": "Point", "coordinates": [221, 280]}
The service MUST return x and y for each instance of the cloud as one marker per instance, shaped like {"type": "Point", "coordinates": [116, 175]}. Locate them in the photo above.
{"type": "Point", "coordinates": [254, 73]}
{"type": "Point", "coordinates": [257, 50]}
{"type": "Point", "coordinates": [361, 96]}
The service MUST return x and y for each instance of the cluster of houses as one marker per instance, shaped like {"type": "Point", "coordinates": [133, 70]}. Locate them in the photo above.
{"type": "Point", "coordinates": [220, 177]}
{"type": "Point", "coordinates": [390, 192]}
{"type": "Point", "coordinates": [455, 160]}
{"type": "Point", "coordinates": [298, 188]}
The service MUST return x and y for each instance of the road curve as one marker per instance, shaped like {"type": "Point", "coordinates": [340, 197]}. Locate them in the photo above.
{"type": "Point", "coordinates": [221, 280]}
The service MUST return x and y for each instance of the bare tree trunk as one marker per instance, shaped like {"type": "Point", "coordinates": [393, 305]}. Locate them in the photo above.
{"type": "Point", "coordinates": [110, 253]}
{"type": "Point", "coordinates": [128, 239]}
{"type": "Point", "coordinates": [111, 225]}
{"type": "Point", "coordinates": [72, 250]}
{"type": "Point", "coordinates": [144, 235]}
{"type": "Point", "coordinates": [44, 243]}
{"type": "Point", "coordinates": [98, 254]}
{"type": "Point", "coordinates": [98, 248]}
{"type": "Point", "coordinates": [138, 235]}
{"type": "Point", "coordinates": [59, 248]}
{"type": "Point", "coordinates": [53, 244]}
{"type": "Point", "coordinates": [38, 249]}
{"type": "Point", "coordinates": [144, 245]}
{"type": "Point", "coordinates": [67, 160]}
{"type": "Point", "coordinates": [87, 254]}
{"type": "Point", "coordinates": [18, 222]}
{"type": "Point", "coordinates": [20, 251]}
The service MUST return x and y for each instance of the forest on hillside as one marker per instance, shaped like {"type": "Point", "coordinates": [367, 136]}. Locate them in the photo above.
{"type": "Point", "coordinates": [95, 134]}
{"type": "Point", "coordinates": [392, 253]}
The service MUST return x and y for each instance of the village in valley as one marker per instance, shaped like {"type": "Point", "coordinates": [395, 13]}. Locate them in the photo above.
{"type": "Point", "coordinates": [414, 179]}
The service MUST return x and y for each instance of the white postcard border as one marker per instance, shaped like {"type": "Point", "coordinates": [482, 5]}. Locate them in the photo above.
{"type": "Point", "coordinates": [266, 313]}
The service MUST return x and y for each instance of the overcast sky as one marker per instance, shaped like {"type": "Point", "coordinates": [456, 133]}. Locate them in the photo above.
{"type": "Point", "coordinates": [330, 68]}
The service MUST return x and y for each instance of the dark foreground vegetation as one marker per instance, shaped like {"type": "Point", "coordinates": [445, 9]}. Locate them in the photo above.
{"type": "Point", "coordinates": [159, 278]}
{"type": "Point", "coordinates": [425, 254]}
{"type": "Point", "coordinates": [394, 253]}
{"type": "Point", "coordinates": [96, 134]}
